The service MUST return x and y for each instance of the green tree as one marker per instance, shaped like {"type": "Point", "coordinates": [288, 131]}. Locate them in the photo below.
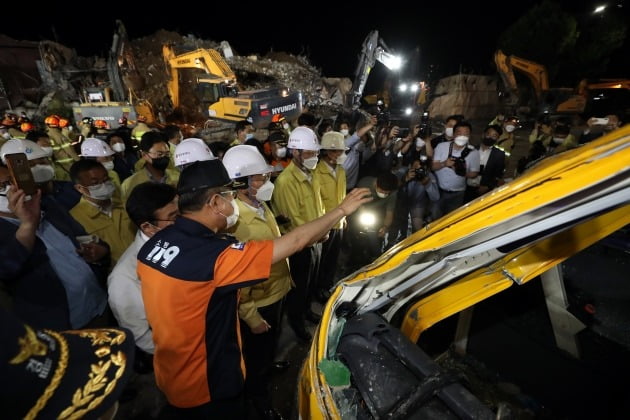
{"type": "Point", "coordinates": [570, 48]}
{"type": "Point", "coordinates": [544, 34]}
{"type": "Point", "coordinates": [599, 37]}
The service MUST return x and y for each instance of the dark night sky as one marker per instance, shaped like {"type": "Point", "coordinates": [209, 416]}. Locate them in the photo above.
{"type": "Point", "coordinates": [450, 35]}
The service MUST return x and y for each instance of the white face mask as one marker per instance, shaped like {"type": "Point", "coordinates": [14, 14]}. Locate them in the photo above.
{"type": "Point", "coordinates": [509, 128]}
{"type": "Point", "coordinates": [102, 191]}
{"type": "Point", "coordinates": [558, 140]}
{"type": "Point", "coordinates": [249, 136]}
{"type": "Point", "coordinates": [42, 173]}
{"type": "Point", "coordinates": [48, 151]}
{"type": "Point", "coordinates": [310, 163]}
{"type": "Point", "coordinates": [344, 131]}
{"type": "Point", "coordinates": [232, 218]}
{"type": "Point", "coordinates": [419, 143]}
{"type": "Point", "coordinates": [381, 194]}
{"type": "Point", "coordinates": [341, 158]}
{"type": "Point", "coordinates": [461, 140]}
{"type": "Point", "coordinates": [448, 131]}
{"type": "Point", "coordinates": [265, 191]}
{"type": "Point", "coordinates": [4, 200]}
{"type": "Point", "coordinates": [6, 135]}
{"type": "Point", "coordinates": [119, 147]}
{"type": "Point", "coordinates": [109, 165]}
{"type": "Point", "coordinates": [281, 152]}
{"type": "Point", "coordinates": [285, 126]}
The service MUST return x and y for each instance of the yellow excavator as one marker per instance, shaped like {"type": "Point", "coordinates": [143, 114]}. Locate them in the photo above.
{"type": "Point", "coordinates": [551, 100]}
{"type": "Point", "coordinates": [218, 91]}
{"type": "Point", "coordinates": [556, 100]}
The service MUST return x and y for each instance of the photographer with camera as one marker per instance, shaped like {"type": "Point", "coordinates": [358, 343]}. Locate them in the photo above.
{"type": "Point", "coordinates": [447, 135]}
{"type": "Point", "coordinates": [416, 143]}
{"type": "Point", "coordinates": [419, 189]}
{"type": "Point", "coordinates": [543, 130]}
{"type": "Point", "coordinates": [453, 163]}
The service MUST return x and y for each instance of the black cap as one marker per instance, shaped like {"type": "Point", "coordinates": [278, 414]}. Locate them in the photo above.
{"type": "Point", "coordinates": [70, 374]}
{"type": "Point", "coordinates": [202, 175]}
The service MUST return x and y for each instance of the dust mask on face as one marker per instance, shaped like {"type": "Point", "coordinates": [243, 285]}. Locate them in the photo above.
{"type": "Point", "coordinates": [109, 165]}
{"type": "Point", "coordinates": [281, 152]}
{"type": "Point", "coordinates": [249, 136]}
{"type": "Point", "coordinates": [448, 131]}
{"type": "Point", "coordinates": [4, 200]}
{"type": "Point", "coordinates": [48, 151]}
{"type": "Point", "coordinates": [419, 143]}
{"type": "Point", "coordinates": [381, 194]}
{"type": "Point", "coordinates": [119, 147]}
{"type": "Point", "coordinates": [286, 126]}
{"type": "Point", "coordinates": [310, 163]}
{"type": "Point", "coordinates": [265, 191]}
{"type": "Point", "coordinates": [558, 140]}
{"type": "Point", "coordinates": [42, 173]}
{"type": "Point", "coordinates": [232, 218]}
{"type": "Point", "coordinates": [461, 140]}
{"type": "Point", "coordinates": [102, 191]}
{"type": "Point", "coordinates": [341, 158]}
{"type": "Point", "coordinates": [509, 128]}
{"type": "Point", "coordinates": [344, 131]}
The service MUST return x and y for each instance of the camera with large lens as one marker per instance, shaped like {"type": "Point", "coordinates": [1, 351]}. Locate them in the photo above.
{"type": "Point", "coordinates": [423, 170]}
{"type": "Point", "coordinates": [425, 126]}
{"type": "Point", "coordinates": [460, 166]}
{"type": "Point", "coordinates": [382, 114]}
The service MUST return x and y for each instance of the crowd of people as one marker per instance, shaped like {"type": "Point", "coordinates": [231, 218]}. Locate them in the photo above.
{"type": "Point", "coordinates": [199, 249]}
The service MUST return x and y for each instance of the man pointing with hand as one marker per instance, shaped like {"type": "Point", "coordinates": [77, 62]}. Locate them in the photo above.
{"type": "Point", "coordinates": [190, 276]}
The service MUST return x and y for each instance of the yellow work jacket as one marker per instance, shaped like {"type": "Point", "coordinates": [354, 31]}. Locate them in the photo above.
{"type": "Point", "coordinates": [171, 149]}
{"type": "Point", "coordinates": [332, 188]}
{"type": "Point", "coordinates": [296, 197]}
{"type": "Point", "coordinates": [251, 227]}
{"type": "Point", "coordinates": [171, 175]}
{"type": "Point", "coordinates": [117, 230]}
{"type": "Point", "coordinates": [64, 154]}
{"type": "Point", "coordinates": [139, 130]}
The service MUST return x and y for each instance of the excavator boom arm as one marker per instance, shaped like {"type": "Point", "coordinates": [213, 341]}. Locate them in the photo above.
{"type": "Point", "coordinates": [208, 60]}
{"type": "Point", "coordinates": [536, 73]}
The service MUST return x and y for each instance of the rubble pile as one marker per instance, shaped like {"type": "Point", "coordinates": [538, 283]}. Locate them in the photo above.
{"type": "Point", "coordinates": [252, 72]}
{"type": "Point", "coordinates": [64, 76]}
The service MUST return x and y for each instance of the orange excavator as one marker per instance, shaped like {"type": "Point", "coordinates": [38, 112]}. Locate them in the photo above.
{"type": "Point", "coordinates": [552, 100]}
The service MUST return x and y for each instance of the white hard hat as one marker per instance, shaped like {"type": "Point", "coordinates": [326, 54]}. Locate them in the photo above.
{"type": "Point", "coordinates": [93, 147]}
{"type": "Point", "coordinates": [333, 140]}
{"type": "Point", "coordinates": [245, 160]}
{"type": "Point", "coordinates": [28, 147]}
{"type": "Point", "coordinates": [192, 150]}
{"type": "Point", "coordinates": [303, 138]}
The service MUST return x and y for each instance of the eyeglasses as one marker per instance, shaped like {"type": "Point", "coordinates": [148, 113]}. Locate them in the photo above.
{"type": "Point", "coordinates": [229, 194]}
{"type": "Point", "coordinates": [159, 154]}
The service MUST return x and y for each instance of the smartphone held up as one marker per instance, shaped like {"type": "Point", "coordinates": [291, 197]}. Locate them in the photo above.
{"type": "Point", "coordinates": [20, 172]}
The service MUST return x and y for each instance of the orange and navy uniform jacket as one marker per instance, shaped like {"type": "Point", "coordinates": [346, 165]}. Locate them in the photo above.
{"type": "Point", "coordinates": [190, 278]}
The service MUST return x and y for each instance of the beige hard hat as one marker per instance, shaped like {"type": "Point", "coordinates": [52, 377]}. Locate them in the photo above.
{"type": "Point", "coordinates": [31, 149]}
{"type": "Point", "coordinates": [191, 150]}
{"type": "Point", "coordinates": [303, 138]}
{"type": "Point", "coordinates": [93, 147]}
{"type": "Point", "coordinates": [245, 160]}
{"type": "Point", "coordinates": [333, 140]}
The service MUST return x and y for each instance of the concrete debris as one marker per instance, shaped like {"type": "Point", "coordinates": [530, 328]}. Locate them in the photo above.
{"type": "Point", "coordinates": [63, 71]}
{"type": "Point", "coordinates": [253, 72]}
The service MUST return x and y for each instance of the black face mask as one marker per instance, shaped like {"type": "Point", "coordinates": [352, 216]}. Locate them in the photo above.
{"type": "Point", "coordinates": [160, 163]}
{"type": "Point", "coordinates": [488, 141]}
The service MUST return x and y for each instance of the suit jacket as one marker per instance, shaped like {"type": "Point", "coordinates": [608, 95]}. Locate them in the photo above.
{"type": "Point", "coordinates": [493, 169]}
